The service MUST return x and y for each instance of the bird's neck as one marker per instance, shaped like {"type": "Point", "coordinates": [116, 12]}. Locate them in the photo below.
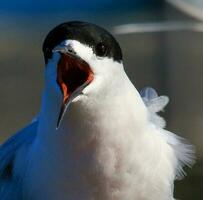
{"type": "Point", "coordinates": [92, 118]}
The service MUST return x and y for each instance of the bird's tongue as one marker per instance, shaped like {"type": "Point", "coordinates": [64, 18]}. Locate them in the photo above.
{"type": "Point", "coordinates": [71, 74]}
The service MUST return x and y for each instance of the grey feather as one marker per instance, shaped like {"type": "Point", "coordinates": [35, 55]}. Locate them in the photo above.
{"type": "Point", "coordinates": [11, 175]}
{"type": "Point", "coordinates": [155, 104]}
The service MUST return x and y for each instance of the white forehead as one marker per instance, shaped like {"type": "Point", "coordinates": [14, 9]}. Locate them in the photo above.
{"type": "Point", "coordinates": [83, 50]}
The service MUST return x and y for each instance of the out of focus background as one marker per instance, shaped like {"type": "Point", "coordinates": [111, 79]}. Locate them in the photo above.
{"type": "Point", "coordinates": [162, 42]}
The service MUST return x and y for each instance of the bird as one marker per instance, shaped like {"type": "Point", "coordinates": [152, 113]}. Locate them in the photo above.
{"type": "Point", "coordinates": [95, 137]}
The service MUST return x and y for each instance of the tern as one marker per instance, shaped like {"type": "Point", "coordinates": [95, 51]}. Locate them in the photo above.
{"type": "Point", "coordinates": [96, 137]}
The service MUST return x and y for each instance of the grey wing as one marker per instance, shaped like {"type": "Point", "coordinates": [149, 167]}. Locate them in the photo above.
{"type": "Point", "coordinates": [185, 152]}
{"type": "Point", "coordinates": [13, 162]}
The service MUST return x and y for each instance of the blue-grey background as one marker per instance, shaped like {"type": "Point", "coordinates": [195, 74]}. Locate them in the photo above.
{"type": "Point", "coordinates": [171, 62]}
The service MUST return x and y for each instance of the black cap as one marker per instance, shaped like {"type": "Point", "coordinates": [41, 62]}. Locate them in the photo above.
{"type": "Point", "coordinates": [100, 40]}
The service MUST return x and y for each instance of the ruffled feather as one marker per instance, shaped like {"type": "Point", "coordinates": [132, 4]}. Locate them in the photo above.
{"type": "Point", "coordinates": [184, 152]}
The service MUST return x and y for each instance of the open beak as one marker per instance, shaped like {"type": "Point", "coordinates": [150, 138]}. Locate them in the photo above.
{"type": "Point", "coordinates": [73, 75]}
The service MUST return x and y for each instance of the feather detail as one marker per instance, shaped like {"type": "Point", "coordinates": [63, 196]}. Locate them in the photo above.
{"type": "Point", "coordinates": [9, 148]}
{"type": "Point", "coordinates": [184, 152]}
{"type": "Point", "coordinates": [10, 181]}
{"type": "Point", "coordinates": [155, 104]}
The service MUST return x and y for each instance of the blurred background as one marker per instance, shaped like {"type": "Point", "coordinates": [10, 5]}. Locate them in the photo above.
{"type": "Point", "coordinates": [162, 42]}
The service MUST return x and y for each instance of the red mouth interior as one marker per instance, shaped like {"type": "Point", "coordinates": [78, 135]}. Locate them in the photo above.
{"type": "Point", "coordinates": [71, 74]}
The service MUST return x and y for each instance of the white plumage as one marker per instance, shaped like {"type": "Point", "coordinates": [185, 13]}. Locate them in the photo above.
{"type": "Point", "coordinates": [111, 145]}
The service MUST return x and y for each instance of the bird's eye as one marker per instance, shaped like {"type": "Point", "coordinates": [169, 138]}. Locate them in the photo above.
{"type": "Point", "coordinates": [101, 49]}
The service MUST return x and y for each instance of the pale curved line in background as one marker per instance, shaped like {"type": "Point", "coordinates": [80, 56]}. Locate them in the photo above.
{"type": "Point", "coordinates": [158, 27]}
{"type": "Point", "coordinates": [188, 8]}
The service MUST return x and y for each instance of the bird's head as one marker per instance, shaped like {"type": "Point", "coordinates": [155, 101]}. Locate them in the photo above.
{"type": "Point", "coordinates": [80, 56]}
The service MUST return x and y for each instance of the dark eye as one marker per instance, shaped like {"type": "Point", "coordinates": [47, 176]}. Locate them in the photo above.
{"type": "Point", "coordinates": [101, 49]}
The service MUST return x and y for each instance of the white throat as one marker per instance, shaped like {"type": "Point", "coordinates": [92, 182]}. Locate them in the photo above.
{"type": "Point", "coordinates": [111, 92]}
